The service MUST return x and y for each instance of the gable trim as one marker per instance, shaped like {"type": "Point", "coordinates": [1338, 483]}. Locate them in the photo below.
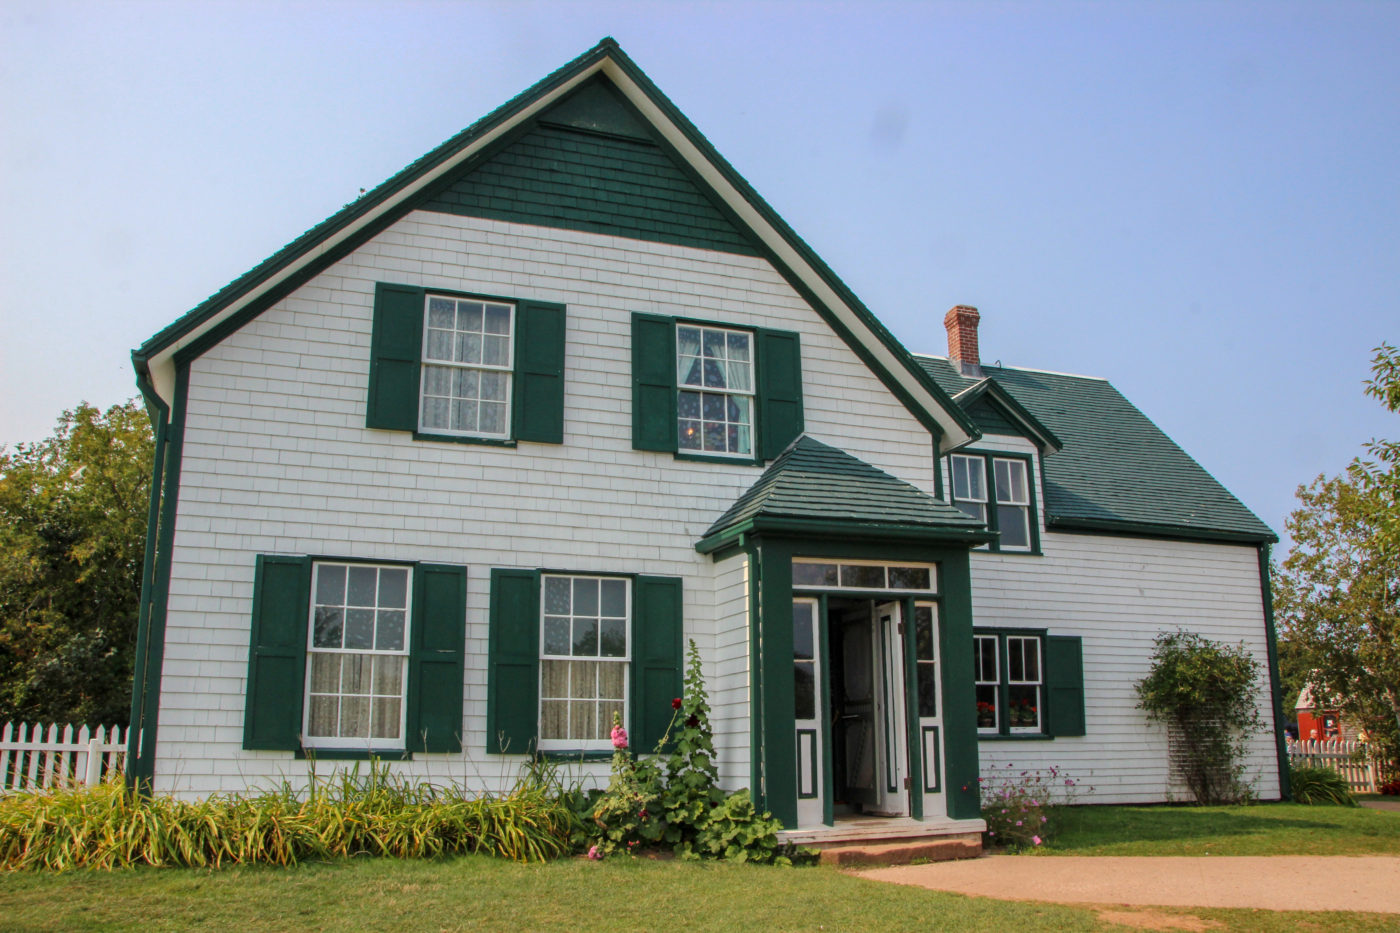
{"type": "Point", "coordinates": [282, 272]}
{"type": "Point", "coordinates": [997, 396]}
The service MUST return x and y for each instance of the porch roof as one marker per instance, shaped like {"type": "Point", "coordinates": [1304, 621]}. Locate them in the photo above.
{"type": "Point", "coordinates": [815, 488]}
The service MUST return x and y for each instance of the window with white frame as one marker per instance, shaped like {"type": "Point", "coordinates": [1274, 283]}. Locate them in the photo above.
{"type": "Point", "coordinates": [715, 390]}
{"type": "Point", "coordinates": [996, 490]}
{"type": "Point", "coordinates": [467, 360]}
{"type": "Point", "coordinates": [1010, 679]}
{"type": "Point", "coordinates": [357, 656]}
{"type": "Point", "coordinates": [584, 653]}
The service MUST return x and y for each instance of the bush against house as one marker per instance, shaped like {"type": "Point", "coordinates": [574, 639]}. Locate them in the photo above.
{"type": "Point", "coordinates": [72, 537]}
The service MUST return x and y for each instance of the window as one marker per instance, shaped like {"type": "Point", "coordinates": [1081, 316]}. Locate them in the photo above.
{"type": "Point", "coordinates": [809, 573]}
{"type": "Point", "coordinates": [1007, 478]}
{"type": "Point", "coordinates": [708, 391]}
{"type": "Point", "coordinates": [988, 680]}
{"type": "Point", "coordinates": [467, 362]}
{"type": "Point", "coordinates": [583, 660]}
{"type": "Point", "coordinates": [714, 376]}
{"type": "Point", "coordinates": [1028, 683]}
{"type": "Point", "coordinates": [358, 655]}
{"type": "Point", "coordinates": [448, 366]}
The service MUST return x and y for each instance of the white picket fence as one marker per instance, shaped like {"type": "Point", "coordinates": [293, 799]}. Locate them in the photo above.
{"type": "Point", "coordinates": [1361, 771]}
{"type": "Point", "coordinates": [30, 760]}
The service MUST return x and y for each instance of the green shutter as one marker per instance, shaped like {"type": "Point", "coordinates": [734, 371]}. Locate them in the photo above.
{"type": "Point", "coordinates": [513, 662]}
{"type": "Point", "coordinates": [656, 657]}
{"type": "Point", "coordinates": [277, 653]}
{"type": "Point", "coordinates": [653, 382]}
{"type": "Point", "coordinates": [394, 349]}
{"type": "Point", "coordinates": [779, 390]}
{"type": "Point", "coordinates": [435, 659]}
{"type": "Point", "coordinates": [1064, 671]}
{"type": "Point", "coordinates": [539, 372]}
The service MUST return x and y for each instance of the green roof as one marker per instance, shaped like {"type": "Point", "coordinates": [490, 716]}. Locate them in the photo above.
{"type": "Point", "coordinates": [1117, 471]}
{"type": "Point", "coordinates": [815, 485]}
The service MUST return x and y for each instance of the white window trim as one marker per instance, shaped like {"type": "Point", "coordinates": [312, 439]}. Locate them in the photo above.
{"type": "Point", "coordinates": [751, 394]}
{"type": "Point", "coordinates": [1024, 504]}
{"type": "Point", "coordinates": [1038, 683]}
{"type": "Point", "coordinates": [356, 742]}
{"type": "Point", "coordinates": [585, 745]}
{"type": "Point", "coordinates": [840, 561]}
{"type": "Point", "coordinates": [508, 369]}
{"type": "Point", "coordinates": [971, 461]}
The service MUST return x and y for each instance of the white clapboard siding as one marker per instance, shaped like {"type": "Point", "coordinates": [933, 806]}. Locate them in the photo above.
{"type": "Point", "coordinates": [729, 685]}
{"type": "Point", "coordinates": [1351, 759]}
{"type": "Point", "coordinates": [34, 758]}
{"type": "Point", "coordinates": [277, 460]}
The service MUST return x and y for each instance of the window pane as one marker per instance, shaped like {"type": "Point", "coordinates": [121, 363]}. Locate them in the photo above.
{"type": "Point", "coordinates": [585, 597]}
{"type": "Point", "coordinates": [688, 341]}
{"type": "Point", "coordinates": [327, 633]}
{"type": "Point", "coordinates": [363, 586]}
{"type": "Point", "coordinates": [390, 635]}
{"type": "Point", "coordinates": [688, 405]}
{"type": "Point", "coordinates": [802, 631]}
{"type": "Point", "coordinates": [493, 386]}
{"type": "Point", "coordinates": [1013, 522]}
{"type": "Point", "coordinates": [387, 716]}
{"type": "Point", "coordinates": [325, 712]}
{"type": "Point", "coordinates": [606, 708]}
{"type": "Point", "coordinates": [493, 418]}
{"type": "Point", "coordinates": [495, 351]}
{"type": "Point", "coordinates": [714, 374]}
{"type": "Point", "coordinates": [556, 595]}
{"type": "Point", "coordinates": [1030, 648]}
{"type": "Point", "coordinates": [612, 682]}
{"type": "Point", "coordinates": [359, 628]}
{"type": "Point", "coordinates": [974, 509]}
{"type": "Point", "coordinates": [556, 635]}
{"type": "Point", "coordinates": [468, 348]}
{"type": "Point", "coordinates": [554, 719]}
{"type": "Point", "coordinates": [714, 343]}
{"type": "Point", "coordinates": [497, 319]}
{"type": "Point", "coordinates": [928, 690]}
{"type": "Point", "coordinates": [614, 599]}
{"type": "Point", "coordinates": [440, 313]}
{"type": "Point", "coordinates": [583, 720]}
{"type": "Point", "coordinates": [986, 650]}
{"type": "Point", "coordinates": [1011, 481]}
{"type": "Point", "coordinates": [713, 407]}
{"type": "Point", "coordinates": [393, 588]}
{"type": "Point", "coordinates": [689, 435]}
{"type": "Point", "coordinates": [804, 689]}
{"type": "Point", "coordinates": [864, 576]}
{"type": "Point", "coordinates": [1015, 660]}
{"type": "Point", "coordinates": [388, 676]}
{"type": "Point", "coordinates": [466, 383]}
{"type": "Point", "coordinates": [740, 379]}
{"type": "Point", "coordinates": [738, 346]}
{"type": "Point", "coordinates": [688, 371]}
{"type": "Point", "coordinates": [436, 412]}
{"type": "Point", "coordinates": [986, 707]}
{"type": "Point", "coordinates": [354, 717]}
{"type": "Point", "coordinates": [437, 380]}
{"type": "Point", "coordinates": [554, 679]}
{"type": "Point", "coordinates": [813, 574]}
{"type": "Point", "coordinates": [464, 415]}
{"type": "Point", "coordinates": [440, 344]}
{"type": "Point", "coordinates": [356, 672]}
{"type": "Point", "coordinates": [585, 641]}
{"type": "Point", "coordinates": [1023, 707]}
{"type": "Point", "coordinates": [469, 315]}
{"type": "Point", "coordinates": [325, 673]}
{"type": "Point", "coordinates": [330, 585]}
{"type": "Point", "coordinates": [583, 679]}
{"type": "Point", "coordinates": [923, 633]}
{"type": "Point", "coordinates": [612, 638]}
{"type": "Point", "coordinates": [909, 578]}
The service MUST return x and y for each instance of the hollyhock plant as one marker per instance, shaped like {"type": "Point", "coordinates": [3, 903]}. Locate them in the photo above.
{"type": "Point", "coordinates": [619, 737]}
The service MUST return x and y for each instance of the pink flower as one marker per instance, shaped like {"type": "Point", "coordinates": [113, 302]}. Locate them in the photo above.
{"type": "Point", "coordinates": [619, 737]}
{"type": "Point", "coordinates": [1035, 839]}
{"type": "Point", "coordinates": [1018, 822]}
{"type": "Point", "coordinates": [1042, 819]}
{"type": "Point", "coordinates": [594, 854]}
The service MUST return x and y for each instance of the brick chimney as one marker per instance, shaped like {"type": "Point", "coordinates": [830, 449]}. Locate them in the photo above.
{"type": "Point", "coordinates": [961, 322]}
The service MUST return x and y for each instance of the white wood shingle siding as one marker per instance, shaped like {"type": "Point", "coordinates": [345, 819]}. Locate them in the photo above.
{"type": "Point", "coordinates": [277, 460]}
{"type": "Point", "coordinates": [1118, 594]}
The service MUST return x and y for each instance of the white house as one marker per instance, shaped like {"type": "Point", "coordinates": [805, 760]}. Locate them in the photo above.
{"type": "Point", "coordinates": [453, 477]}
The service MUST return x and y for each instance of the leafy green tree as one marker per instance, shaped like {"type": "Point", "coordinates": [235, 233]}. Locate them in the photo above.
{"type": "Point", "coordinates": [72, 535]}
{"type": "Point", "coordinates": [1338, 590]}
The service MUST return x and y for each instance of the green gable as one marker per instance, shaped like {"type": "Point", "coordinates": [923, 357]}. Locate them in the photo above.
{"type": "Point", "coordinates": [590, 164]}
{"type": "Point", "coordinates": [1116, 471]}
{"type": "Point", "coordinates": [990, 419]}
{"type": "Point", "coordinates": [814, 482]}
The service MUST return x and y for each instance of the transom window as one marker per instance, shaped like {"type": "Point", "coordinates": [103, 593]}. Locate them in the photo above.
{"type": "Point", "coordinates": [467, 360]}
{"type": "Point", "coordinates": [358, 655]}
{"type": "Point", "coordinates": [584, 651]}
{"type": "Point", "coordinates": [858, 575]}
{"type": "Point", "coordinates": [1007, 479]}
{"type": "Point", "coordinates": [1010, 679]}
{"type": "Point", "coordinates": [715, 390]}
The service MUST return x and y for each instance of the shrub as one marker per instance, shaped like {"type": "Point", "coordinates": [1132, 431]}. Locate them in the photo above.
{"type": "Point", "coordinates": [1018, 806]}
{"type": "Point", "coordinates": [1391, 788]}
{"type": "Point", "coordinates": [1319, 785]}
{"type": "Point", "coordinates": [1206, 694]}
{"type": "Point", "coordinates": [375, 814]}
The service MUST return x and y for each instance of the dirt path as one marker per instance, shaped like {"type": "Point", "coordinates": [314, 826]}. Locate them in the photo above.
{"type": "Point", "coordinates": [1279, 882]}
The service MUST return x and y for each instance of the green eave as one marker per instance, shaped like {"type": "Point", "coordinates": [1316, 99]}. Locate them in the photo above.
{"type": "Point", "coordinates": [1117, 472]}
{"type": "Point", "coordinates": [815, 489]}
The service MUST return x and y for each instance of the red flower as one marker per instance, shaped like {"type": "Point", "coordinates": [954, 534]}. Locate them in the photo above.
{"type": "Point", "coordinates": [676, 703]}
{"type": "Point", "coordinates": [692, 722]}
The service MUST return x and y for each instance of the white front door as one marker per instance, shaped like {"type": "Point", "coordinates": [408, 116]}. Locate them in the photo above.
{"type": "Point", "coordinates": [893, 791]}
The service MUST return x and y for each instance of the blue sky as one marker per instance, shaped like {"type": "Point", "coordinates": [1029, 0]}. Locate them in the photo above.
{"type": "Point", "coordinates": [1200, 202]}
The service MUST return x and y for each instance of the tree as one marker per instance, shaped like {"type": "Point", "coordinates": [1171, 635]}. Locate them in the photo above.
{"type": "Point", "coordinates": [72, 535]}
{"type": "Point", "coordinates": [1338, 590]}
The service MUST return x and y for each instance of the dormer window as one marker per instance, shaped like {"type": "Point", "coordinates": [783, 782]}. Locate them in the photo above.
{"type": "Point", "coordinates": [997, 490]}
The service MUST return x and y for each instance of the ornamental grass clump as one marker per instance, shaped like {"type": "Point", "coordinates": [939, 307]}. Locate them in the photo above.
{"type": "Point", "coordinates": [375, 814]}
{"type": "Point", "coordinates": [1018, 806]}
{"type": "Point", "coordinates": [1319, 785]}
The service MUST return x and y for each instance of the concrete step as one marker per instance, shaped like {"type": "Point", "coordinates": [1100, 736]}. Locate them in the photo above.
{"type": "Point", "coordinates": [902, 851]}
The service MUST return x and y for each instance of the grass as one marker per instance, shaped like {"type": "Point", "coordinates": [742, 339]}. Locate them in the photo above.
{"type": "Point", "coordinates": [480, 893]}
{"type": "Point", "coordinates": [1263, 829]}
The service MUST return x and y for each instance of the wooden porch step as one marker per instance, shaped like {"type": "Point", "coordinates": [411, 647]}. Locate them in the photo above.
{"type": "Point", "coordinates": [901, 851]}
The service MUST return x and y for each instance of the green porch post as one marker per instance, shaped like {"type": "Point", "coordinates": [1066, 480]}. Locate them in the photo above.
{"type": "Point", "coordinates": [960, 767]}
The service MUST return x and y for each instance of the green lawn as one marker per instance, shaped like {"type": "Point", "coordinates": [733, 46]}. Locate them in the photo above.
{"type": "Point", "coordinates": [1263, 829]}
{"type": "Point", "coordinates": [479, 893]}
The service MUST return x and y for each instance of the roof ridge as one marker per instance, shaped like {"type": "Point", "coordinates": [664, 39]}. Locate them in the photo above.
{"type": "Point", "coordinates": [1019, 369]}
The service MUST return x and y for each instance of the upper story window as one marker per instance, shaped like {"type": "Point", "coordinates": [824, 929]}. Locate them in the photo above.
{"type": "Point", "coordinates": [467, 363]}
{"type": "Point", "coordinates": [997, 490]}
{"type": "Point", "coordinates": [715, 384]}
